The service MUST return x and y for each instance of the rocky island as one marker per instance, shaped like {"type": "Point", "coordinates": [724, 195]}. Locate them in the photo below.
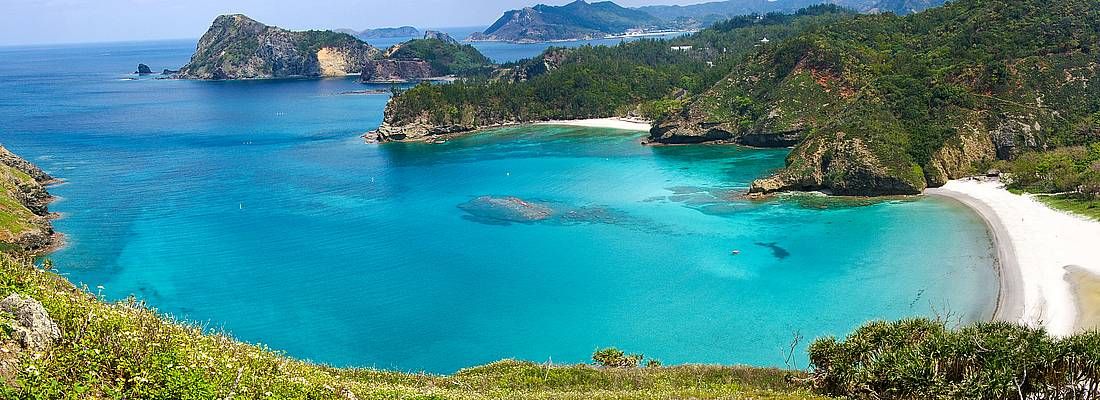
{"type": "Point", "coordinates": [238, 47]}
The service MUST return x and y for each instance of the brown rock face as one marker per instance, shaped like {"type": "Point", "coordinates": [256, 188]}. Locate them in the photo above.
{"type": "Point", "coordinates": [238, 47]}
{"type": "Point", "coordinates": [396, 70]}
{"type": "Point", "coordinates": [840, 166]}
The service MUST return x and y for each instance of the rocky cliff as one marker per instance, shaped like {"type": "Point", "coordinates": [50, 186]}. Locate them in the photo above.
{"type": "Point", "coordinates": [389, 70]}
{"type": "Point", "coordinates": [872, 118]}
{"type": "Point", "coordinates": [24, 201]}
{"type": "Point", "coordinates": [238, 47]}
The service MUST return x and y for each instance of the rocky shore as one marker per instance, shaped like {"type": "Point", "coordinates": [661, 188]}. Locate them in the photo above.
{"type": "Point", "coordinates": [26, 201]}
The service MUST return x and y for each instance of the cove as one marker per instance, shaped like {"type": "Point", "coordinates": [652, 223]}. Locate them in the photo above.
{"type": "Point", "coordinates": [254, 207]}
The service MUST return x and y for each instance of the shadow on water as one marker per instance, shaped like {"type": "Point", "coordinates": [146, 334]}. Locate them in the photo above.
{"type": "Point", "coordinates": [777, 251]}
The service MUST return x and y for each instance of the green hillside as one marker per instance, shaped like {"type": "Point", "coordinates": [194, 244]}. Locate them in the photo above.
{"type": "Point", "coordinates": [877, 104]}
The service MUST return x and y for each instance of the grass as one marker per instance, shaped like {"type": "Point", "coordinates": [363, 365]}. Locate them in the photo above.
{"type": "Point", "coordinates": [1088, 208]}
{"type": "Point", "coordinates": [126, 350]}
{"type": "Point", "coordinates": [15, 218]}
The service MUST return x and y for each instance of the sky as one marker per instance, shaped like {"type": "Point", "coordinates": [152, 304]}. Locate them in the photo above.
{"type": "Point", "coordinates": [78, 21]}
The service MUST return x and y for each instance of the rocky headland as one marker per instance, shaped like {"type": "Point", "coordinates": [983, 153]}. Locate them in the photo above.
{"type": "Point", "coordinates": [24, 205]}
{"type": "Point", "coordinates": [238, 47]}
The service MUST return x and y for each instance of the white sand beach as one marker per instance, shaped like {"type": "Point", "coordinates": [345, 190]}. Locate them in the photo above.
{"type": "Point", "coordinates": [611, 123]}
{"type": "Point", "coordinates": [1041, 251]}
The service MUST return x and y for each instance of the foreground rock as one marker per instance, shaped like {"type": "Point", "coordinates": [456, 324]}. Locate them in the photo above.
{"type": "Point", "coordinates": [31, 327]}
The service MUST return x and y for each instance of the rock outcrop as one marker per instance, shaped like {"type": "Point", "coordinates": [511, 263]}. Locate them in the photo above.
{"type": "Point", "coordinates": [440, 36]}
{"type": "Point", "coordinates": [841, 166]}
{"type": "Point", "coordinates": [237, 47]}
{"type": "Point", "coordinates": [384, 71]}
{"type": "Point", "coordinates": [143, 69]}
{"type": "Point", "coordinates": [31, 326]}
{"type": "Point", "coordinates": [24, 202]}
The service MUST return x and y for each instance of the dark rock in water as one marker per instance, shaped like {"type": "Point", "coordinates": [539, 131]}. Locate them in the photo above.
{"type": "Point", "coordinates": [504, 210]}
{"type": "Point", "coordinates": [441, 36]}
{"type": "Point", "coordinates": [777, 251]}
{"type": "Point", "coordinates": [170, 71]}
{"type": "Point", "coordinates": [143, 70]}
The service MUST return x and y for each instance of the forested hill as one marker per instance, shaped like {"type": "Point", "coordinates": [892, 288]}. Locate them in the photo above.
{"type": "Point", "coordinates": [644, 76]}
{"type": "Point", "coordinates": [704, 14]}
{"type": "Point", "coordinates": [877, 104]}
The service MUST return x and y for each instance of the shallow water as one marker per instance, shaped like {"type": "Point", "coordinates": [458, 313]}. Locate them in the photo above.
{"type": "Point", "coordinates": [255, 207]}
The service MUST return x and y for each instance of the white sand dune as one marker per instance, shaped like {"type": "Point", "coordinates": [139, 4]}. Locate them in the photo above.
{"type": "Point", "coordinates": [1035, 245]}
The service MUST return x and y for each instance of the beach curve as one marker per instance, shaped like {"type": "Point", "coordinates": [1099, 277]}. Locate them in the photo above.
{"type": "Point", "coordinates": [1035, 247]}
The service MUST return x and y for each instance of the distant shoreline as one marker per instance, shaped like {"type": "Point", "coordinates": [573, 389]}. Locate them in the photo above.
{"type": "Point", "coordinates": [1037, 249]}
{"type": "Point", "coordinates": [623, 35]}
{"type": "Point", "coordinates": [630, 124]}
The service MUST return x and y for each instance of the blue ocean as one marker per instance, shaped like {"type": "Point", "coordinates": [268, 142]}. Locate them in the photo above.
{"type": "Point", "coordinates": [255, 208]}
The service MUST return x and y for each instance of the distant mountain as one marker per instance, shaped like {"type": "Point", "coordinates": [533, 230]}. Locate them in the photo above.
{"type": "Point", "coordinates": [707, 13]}
{"type": "Point", "coordinates": [576, 20]}
{"type": "Point", "coordinates": [903, 7]}
{"type": "Point", "coordinates": [383, 33]}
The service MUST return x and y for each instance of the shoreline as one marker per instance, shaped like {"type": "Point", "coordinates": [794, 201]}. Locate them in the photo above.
{"type": "Point", "coordinates": [629, 124]}
{"type": "Point", "coordinates": [1037, 248]}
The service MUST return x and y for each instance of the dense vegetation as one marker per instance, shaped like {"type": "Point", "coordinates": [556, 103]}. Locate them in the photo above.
{"type": "Point", "coordinates": [922, 359]}
{"type": "Point", "coordinates": [1068, 177]}
{"type": "Point", "coordinates": [883, 104]}
{"type": "Point", "coordinates": [647, 75]}
{"type": "Point", "coordinates": [445, 58]}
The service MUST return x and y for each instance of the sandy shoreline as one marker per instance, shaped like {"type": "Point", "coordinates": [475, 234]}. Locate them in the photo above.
{"type": "Point", "coordinates": [1037, 249]}
{"type": "Point", "coordinates": [610, 123]}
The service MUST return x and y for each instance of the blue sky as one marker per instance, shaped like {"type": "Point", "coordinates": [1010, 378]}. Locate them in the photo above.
{"type": "Point", "coordinates": [74, 21]}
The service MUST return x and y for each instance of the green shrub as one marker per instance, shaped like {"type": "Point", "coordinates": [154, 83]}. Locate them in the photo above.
{"type": "Point", "coordinates": [920, 358]}
{"type": "Point", "coordinates": [615, 358]}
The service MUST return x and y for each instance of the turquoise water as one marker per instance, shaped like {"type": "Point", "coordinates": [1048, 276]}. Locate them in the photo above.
{"type": "Point", "coordinates": [254, 207]}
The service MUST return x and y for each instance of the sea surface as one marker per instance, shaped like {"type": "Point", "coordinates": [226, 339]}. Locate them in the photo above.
{"type": "Point", "coordinates": [254, 207]}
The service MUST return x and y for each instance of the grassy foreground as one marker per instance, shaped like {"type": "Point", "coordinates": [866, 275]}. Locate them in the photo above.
{"type": "Point", "coordinates": [126, 350]}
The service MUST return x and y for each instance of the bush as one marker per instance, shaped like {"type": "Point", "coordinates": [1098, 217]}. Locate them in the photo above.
{"type": "Point", "coordinates": [615, 358]}
{"type": "Point", "coordinates": [920, 358]}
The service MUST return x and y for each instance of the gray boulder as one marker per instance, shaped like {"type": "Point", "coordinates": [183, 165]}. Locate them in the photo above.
{"type": "Point", "coordinates": [32, 327]}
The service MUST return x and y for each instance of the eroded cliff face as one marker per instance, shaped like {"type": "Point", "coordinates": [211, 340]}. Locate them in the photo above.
{"type": "Point", "coordinates": [397, 70]}
{"type": "Point", "coordinates": [237, 47]}
{"type": "Point", "coordinates": [840, 165]}
{"type": "Point", "coordinates": [24, 201]}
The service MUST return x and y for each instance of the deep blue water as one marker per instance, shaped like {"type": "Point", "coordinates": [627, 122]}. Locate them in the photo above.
{"type": "Point", "coordinates": [255, 207]}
